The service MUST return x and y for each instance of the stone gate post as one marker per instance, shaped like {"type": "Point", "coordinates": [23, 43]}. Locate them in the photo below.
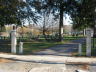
{"type": "Point", "coordinates": [13, 41]}
{"type": "Point", "coordinates": [88, 42]}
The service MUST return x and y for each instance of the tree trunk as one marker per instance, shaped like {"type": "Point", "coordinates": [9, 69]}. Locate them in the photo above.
{"type": "Point", "coordinates": [43, 32]}
{"type": "Point", "coordinates": [1, 28]}
{"type": "Point", "coordinates": [84, 32]}
{"type": "Point", "coordinates": [44, 24]}
{"type": "Point", "coordinates": [61, 24]}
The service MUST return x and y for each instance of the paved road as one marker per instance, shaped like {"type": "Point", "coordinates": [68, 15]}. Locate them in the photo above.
{"type": "Point", "coordinates": [62, 50]}
{"type": "Point", "coordinates": [38, 63]}
{"type": "Point", "coordinates": [93, 67]}
{"type": "Point", "coordinates": [53, 59]}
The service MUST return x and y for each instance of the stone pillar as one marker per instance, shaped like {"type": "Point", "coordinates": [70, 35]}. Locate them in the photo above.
{"type": "Point", "coordinates": [88, 42]}
{"type": "Point", "coordinates": [20, 47]}
{"type": "Point", "coordinates": [84, 32]}
{"type": "Point", "coordinates": [80, 50]}
{"type": "Point", "coordinates": [13, 41]}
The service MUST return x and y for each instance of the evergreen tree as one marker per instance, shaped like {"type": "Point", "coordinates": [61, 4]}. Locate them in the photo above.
{"type": "Point", "coordinates": [16, 12]}
{"type": "Point", "coordinates": [83, 16]}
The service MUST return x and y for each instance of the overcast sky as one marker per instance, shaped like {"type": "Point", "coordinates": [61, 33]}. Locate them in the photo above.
{"type": "Point", "coordinates": [67, 21]}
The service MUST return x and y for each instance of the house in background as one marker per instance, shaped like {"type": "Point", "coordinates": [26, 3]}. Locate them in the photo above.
{"type": "Point", "coordinates": [68, 28]}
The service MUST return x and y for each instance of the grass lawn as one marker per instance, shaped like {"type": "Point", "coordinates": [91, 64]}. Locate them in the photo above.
{"type": "Point", "coordinates": [83, 51]}
{"type": "Point", "coordinates": [31, 46]}
{"type": "Point", "coordinates": [93, 49]}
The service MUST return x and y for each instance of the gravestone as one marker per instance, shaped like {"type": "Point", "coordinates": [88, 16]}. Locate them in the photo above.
{"type": "Point", "coordinates": [88, 42]}
{"type": "Point", "coordinates": [73, 35]}
{"type": "Point", "coordinates": [76, 35]}
{"type": "Point", "coordinates": [21, 35]}
{"type": "Point", "coordinates": [19, 38]}
{"type": "Point", "coordinates": [51, 36]}
{"type": "Point", "coordinates": [55, 40]}
{"type": "Point", "coordinates": [48, 36]}
{"type": "Point", "coordinates": [38, 36]}
{"type": "Point", "coordinates": [4, 38]}
{"type": "Point", "coordinates": [9, 34]}
{"type": "Point", "coordinates": [44, 36]}
{"type": "Point", "coordinates": [56, 35]}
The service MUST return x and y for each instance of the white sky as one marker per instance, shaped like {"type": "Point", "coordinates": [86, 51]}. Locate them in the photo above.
{"type": "Point", "coordinates": [66, 20]}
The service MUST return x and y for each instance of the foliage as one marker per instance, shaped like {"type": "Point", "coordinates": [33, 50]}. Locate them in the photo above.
{"type": "Point", "coordinates": [57, 7]}
{"type": "Point", "coordinates": [64, 30]}
{"type": "Point", "coordinates": [16, 12]}
{"type": "Point", "coordinates": [10, 11]}
{"type": "Point", "coordinates": [47, 23]}
{"type": "Point", "coordinates": [3, 29]}
{"type": "Point", "coordinates": [83, 16]}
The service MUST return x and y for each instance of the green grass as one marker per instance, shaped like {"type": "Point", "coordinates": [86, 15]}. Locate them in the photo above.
{"type": "Point", "coordinates": [31, 46]}
{"type": "Point", "coordinates": [83, 51]}
{"type": "Point", "coordinates": [93, 50]}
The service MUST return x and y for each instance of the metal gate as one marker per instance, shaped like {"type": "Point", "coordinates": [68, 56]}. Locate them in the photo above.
{"type": "Point", "coordinates": [5, 44]}
{"type": "Point", "coordinates": [93, 46]}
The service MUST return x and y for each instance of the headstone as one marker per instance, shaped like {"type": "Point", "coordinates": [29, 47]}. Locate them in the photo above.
{"type": "Point", "coordinates": [88, 42]}
{"type": "Point", "coordinates": [56, 35]}
{"type": "Point", "coordinates": [55, 39]}
{"type": "Point", "coordinates": [48, 36]}
{"type": "Point", "coordinates": [19, 38]}
{"type": "Point", "coordinates": [4, 38]}
{"type": "Point", "coordinates": [38, 36]}
{"type": "Point", "coordinates": [51, 36]}
{"type": "Point", "coordinates": [73, 35]}
{"type": "Point", "coordinates": [44, 36]}
{"type": "Point", "coordinates": [47, 40]}
{"type": "Point", "coordinates": [22, 35]}
{"type": "Point", "coordinates": [76, 35]}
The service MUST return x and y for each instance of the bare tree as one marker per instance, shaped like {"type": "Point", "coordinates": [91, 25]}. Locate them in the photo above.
{"type": "Point", "coordinates": [47, 23]}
